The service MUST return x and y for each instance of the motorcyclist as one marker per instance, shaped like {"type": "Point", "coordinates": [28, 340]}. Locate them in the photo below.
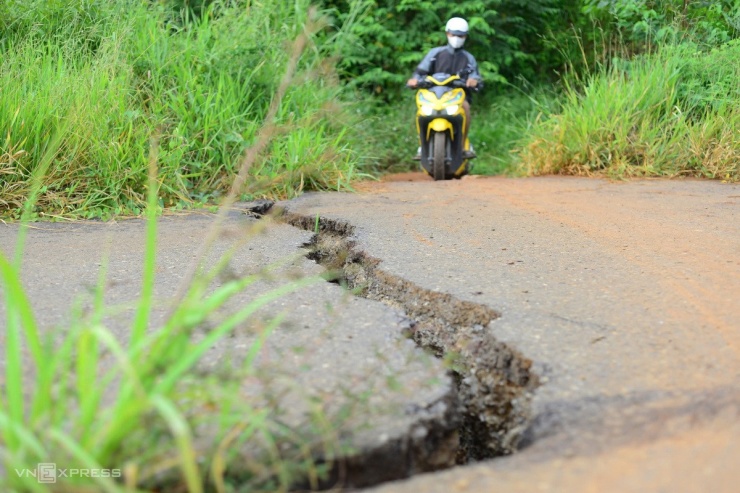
{"type": "Point", "coordinates": [452, 59]}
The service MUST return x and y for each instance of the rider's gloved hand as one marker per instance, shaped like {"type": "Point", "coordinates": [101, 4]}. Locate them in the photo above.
{"type": "Point", "coordinates": [412, 83]}
{"type": "Point", "coordinates": [471, 83]}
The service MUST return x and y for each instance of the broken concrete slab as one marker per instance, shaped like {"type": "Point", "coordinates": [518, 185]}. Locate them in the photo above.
{"type": "Point", "coordinates": [348, 353]}
{"type": "Point", "coordinates": [494, 381]}
{"type": "Point", "coordinates": [623, 294]}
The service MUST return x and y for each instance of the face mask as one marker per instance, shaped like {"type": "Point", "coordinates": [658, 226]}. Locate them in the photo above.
{"type": "Point", "coordinates": [456, 41]}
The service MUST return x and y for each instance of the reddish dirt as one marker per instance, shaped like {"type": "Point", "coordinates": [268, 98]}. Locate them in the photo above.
{"type": "Point", "coordinates": [616, 226]}
{"type": "Point", "coordinates": [410, 176]}
{"type": "Point", "coordinates": [641, 350]}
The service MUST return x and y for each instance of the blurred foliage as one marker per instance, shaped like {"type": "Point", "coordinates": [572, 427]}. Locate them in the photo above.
{"type": "Point", "coordinates": [650, 21]}
{"type": "Point", "coordinates": [514, 40]}
{"type": "Point", "coordinates": [386, 40]}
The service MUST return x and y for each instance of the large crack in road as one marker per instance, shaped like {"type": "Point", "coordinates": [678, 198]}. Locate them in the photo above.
{"type": "Point", "coordinates": [495, 382]}
{"type": "Point", "coordinates": [621, 294]}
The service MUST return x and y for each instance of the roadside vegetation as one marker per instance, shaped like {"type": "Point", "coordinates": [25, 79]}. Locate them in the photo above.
{"type": "Point", "coordinates": [615, 87]}
{"type": "Point", "coordinates": [140, 414]}
{"type": "Point", "coordinates": [675, 112]}
{"type": "Point", "coordinates": [618, 87]}
{"type": "Point", "coordinates": [113, 74]}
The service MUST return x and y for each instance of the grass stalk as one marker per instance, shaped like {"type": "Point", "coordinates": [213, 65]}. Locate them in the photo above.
{"type": "Point", "coordinates": [147, 285]}
{"type": "Point", "coordinates": [183, 437]}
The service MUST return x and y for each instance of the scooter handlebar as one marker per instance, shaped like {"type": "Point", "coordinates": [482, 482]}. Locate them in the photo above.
{"type": "Point", "coordinates": [425, 84]}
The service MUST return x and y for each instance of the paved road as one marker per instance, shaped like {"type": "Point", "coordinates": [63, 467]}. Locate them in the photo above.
{"type": "Point", "coordinates": [330, 350]}
{"type": "Point", "coordinates": [626, 295]}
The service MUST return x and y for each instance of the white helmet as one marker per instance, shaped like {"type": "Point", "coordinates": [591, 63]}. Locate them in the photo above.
{"type": "Point", "coordinates": [457, 26]}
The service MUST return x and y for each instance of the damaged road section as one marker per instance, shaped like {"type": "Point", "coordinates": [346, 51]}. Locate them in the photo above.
{"type": "Point", "coordinates": [495, 381]}
{"type": "Point", "coordinates": [341, 383]}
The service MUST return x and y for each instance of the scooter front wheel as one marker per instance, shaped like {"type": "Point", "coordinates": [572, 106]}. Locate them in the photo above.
{"type": "Point", "coordinates": [440, 148]}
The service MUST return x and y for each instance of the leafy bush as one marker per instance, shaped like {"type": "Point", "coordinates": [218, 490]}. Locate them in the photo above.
{"type": "Point", "coordinates": [515, 39]}
{"type": "Point", "coordinates": [656, 21]}
{"type": "Point", "coordinates": [709, 77]}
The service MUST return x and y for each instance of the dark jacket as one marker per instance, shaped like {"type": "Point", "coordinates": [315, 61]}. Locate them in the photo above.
{"type": "Point", "coordinates": [448, 60]}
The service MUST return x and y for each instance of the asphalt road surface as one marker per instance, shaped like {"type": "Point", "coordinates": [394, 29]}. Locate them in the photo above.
{"type": "Point", "coordinates": [626, 296]}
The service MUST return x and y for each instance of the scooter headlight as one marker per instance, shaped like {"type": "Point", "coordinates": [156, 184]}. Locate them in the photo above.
{"type": "Point", "coordinates": [423, 99]}
{"type": "Point", "coordinates": [427, 109]}
{"type": "Point", "coordinates": [452, 109]}
{"type": "Point", "coordinates": [456, 98]}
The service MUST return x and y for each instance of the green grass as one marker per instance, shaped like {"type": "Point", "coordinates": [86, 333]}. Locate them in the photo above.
{"type": "Point", "coordinates": [671, 113]}
{"type": "Point", "coordinates": [82, 398]}
{"type": "Point", "coordinates": [499, 124]}
{"type": "Point", "coordinates": [115, 73]}
{"type": "Point", "coordinates": [57, 406]}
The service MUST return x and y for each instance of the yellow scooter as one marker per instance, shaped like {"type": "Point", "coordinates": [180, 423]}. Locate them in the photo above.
{"type": "Point", "coordinates": [440, 120]}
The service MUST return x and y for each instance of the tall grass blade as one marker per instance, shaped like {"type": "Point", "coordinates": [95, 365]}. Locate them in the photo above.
{"type": "Point", "coordinates": [186, 449]}
{"type": "Point", "coordinates": [37, 178]}
{"type": "Point", "coordinates": [189, 359]}
{"type": "Point", "coordinates": [253, 421]}
{"type": "Point", "coordinates": [19, 317]}
{"type": "Point", "coordinates": [147, 286]}
{"type": "Point", "coordinates": [84, 459]}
